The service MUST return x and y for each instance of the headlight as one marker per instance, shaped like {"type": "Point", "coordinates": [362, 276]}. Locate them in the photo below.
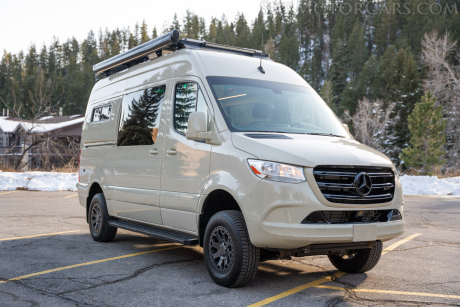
{"type": "Point", "coordinates": [277, 171]}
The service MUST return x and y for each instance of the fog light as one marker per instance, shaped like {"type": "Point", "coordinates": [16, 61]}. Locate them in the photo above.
{"type": "Point", "coordinates": [396, 216]}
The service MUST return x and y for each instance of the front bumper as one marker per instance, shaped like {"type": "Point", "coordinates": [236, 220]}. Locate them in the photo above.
{"type": "Point", "coordinates": [274, 211]}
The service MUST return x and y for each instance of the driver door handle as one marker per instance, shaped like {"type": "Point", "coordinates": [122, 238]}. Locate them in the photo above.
{"type": "Point", "coordinates": [171, 152]}
{"type": "Point", "coordinates": [153, 152]}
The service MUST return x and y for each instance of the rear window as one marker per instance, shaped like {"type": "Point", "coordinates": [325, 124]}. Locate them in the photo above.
{"type": "Point", "coordinates": [101, 113]}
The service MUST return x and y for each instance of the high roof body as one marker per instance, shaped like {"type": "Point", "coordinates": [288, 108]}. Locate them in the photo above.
{"type": "Point", "coordinates": [200, 62]}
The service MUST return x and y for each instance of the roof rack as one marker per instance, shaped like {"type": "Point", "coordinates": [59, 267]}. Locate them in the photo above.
{"type": "Point", "coordinates": [194, 43]}
{"type": "Point", "coordinates": [155, 47]}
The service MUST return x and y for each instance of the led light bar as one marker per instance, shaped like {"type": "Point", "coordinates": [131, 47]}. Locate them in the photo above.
{"type": "Point", "coordinates": [169, 40]}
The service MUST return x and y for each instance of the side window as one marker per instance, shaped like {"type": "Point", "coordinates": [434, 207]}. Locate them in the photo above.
{"type": "Point", "coordinates": [140, 117]}
{"type": "Point", "coordinates": [101, 113]}
{"type": "Point", "coordinates": [188, 98]}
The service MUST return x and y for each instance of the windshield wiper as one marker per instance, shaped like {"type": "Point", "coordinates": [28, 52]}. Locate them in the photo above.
{"type": "Point", "coordinates": [325, 134]}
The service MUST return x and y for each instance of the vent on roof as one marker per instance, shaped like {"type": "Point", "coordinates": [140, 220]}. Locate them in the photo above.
{"type": "Point", "coordinates": [268, 136]}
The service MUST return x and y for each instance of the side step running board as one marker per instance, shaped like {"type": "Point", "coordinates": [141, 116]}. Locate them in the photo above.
{"type": "Point", "coordinates": [158, 233]}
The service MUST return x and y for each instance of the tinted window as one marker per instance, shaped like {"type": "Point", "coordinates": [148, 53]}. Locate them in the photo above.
{"type": "Point", "coordinates": [189, 98]}
{"type": "Point", "coordinates": [101, 113]}
{"type": "Point", "coordinates": [140, 117]}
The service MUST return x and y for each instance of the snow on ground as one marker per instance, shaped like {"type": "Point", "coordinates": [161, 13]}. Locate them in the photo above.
{"type": "Point", "coordinates": [38, 181]}
{"type": "Point", "coordinates": [52, 181]}
{"type": "Point", "coordinates": [430, 185]}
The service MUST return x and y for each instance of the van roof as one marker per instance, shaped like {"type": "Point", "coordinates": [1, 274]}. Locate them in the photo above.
{"type": "Point", "coordinates": [193, 62]}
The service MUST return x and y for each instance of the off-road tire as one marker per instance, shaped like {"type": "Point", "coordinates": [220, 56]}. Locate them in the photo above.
{"type": "Point", "coordinates": [246, 256]}
{"type": "Point", "coordinates": [98, 218]}
{"type": "Point", "coordinates": [363, 261]}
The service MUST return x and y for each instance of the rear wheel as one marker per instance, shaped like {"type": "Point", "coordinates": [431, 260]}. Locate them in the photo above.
{"type": "Point", "coordinates": [230, 257]}
{"type": "Point", "coordinates": [358, 261]}
{"type": "Point", "coordinates": [99, 218]}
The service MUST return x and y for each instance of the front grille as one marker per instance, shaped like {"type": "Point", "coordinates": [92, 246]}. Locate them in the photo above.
{"type": "Point", "coordinates": [337, 183]}
{"type": "Point", "coordinates": [345, 217]}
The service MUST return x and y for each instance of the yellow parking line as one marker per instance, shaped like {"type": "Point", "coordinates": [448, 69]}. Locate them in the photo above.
{"type": "Point", "coordinates": [391, 292]}
{"type": "Point", "coordinates": [395, 245]}
{"type": "Point", "coordinates": [85, 263]}
{"type": "Point", "coordinates": [71, 196]}
{"type": "Point", "coordinates": [326, 279]}
{"type": "Point", "coordinates": [34, 236]}
{"type": "Point", "coordinates": [8, 192]}
{"type": "Point", "coordinates": [297, 289]}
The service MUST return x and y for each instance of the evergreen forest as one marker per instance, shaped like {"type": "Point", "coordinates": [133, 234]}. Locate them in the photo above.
{"type": "Point", "coordinates": [378, 57]}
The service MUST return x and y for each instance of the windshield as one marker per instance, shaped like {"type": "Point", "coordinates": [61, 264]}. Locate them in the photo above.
{"type": "Point", "coordinates": [262, 106]}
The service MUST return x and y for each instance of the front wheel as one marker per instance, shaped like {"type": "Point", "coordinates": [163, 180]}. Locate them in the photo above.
{"type": "Point", "coordinates": [358, 261]}
{"type": "Point", "coordinates": [230, 257]}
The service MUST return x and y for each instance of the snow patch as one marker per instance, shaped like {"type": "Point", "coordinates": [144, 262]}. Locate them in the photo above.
{"type": "Point", "coordinates": [38, 181]}
{"type": "Point", "coordinates": [430, 185]}
{"type": "Point", "coordinates": [52, 181]}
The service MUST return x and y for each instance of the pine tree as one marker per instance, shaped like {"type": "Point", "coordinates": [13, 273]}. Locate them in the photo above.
{"type": "Point", "coordinates": [144, 36]}
{"type": "Point", "coordinates": [242, 32]}
{"type": "Point", "coordinates": [426, 126]}
{"type": "Point", "coordinates": [191, 25]}
{"type": "Point", "coordinates": [388, 24]}
{"type": "Point", "coordinates": [212, 33]}
{"type": "Point", "coordinates": [175, 25]}
{"type": "Point", "coordinates": [326, 94]}
{"type": "Point", "coordinates": [402, 85]}
{"type": "Point", "coordinates": [367, 84]}
{"type": "Point", "coordinates": [358, 50]}
{"type": "Point", "coordinates": [338, 72]}
{"type": "Point", "coordinates": [259, 35]}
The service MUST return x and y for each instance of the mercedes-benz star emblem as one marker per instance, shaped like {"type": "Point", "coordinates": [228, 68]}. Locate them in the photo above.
{"type": "Point", "coordinates": [363, 184]}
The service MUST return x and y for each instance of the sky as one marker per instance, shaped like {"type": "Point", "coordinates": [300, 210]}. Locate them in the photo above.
{"type": "Point", "coordinates": [27, 22]}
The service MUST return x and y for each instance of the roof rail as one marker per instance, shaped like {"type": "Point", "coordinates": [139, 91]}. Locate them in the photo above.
{"type": "Point", "coordinates": [168, 41]}
{"type": "Point", "coordinates": [190, 43]}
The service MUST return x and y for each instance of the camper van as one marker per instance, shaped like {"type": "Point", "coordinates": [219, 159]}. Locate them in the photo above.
{"type": "Point", "coordinates": [203, 144]}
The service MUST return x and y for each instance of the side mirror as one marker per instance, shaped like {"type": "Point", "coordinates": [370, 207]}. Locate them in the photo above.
{"type": "Point", "coordinates": [196, 129]}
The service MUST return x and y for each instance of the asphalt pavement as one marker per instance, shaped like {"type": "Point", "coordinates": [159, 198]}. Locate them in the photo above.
{"type": "Point", "coordinates": [48, 258]}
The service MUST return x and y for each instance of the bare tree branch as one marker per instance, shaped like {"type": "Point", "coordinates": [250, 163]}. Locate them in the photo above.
{"type": "Point", "coordinates": [371, 122]}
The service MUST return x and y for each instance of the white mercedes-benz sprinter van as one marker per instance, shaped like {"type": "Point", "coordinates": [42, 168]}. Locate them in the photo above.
{"type": "Point", "coordinates": [198, 143]}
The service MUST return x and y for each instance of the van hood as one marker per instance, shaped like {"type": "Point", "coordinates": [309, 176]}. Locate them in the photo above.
{"type": "Point", "coordinates": [311, 150]}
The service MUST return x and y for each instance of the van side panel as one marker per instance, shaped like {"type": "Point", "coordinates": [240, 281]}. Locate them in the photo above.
{"type": "Point", "coordinates": [109, 91]}
{"type": "Point", "coordinates": [152, 76]}
{"type": "Point", "coordinates": [136, 212]}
